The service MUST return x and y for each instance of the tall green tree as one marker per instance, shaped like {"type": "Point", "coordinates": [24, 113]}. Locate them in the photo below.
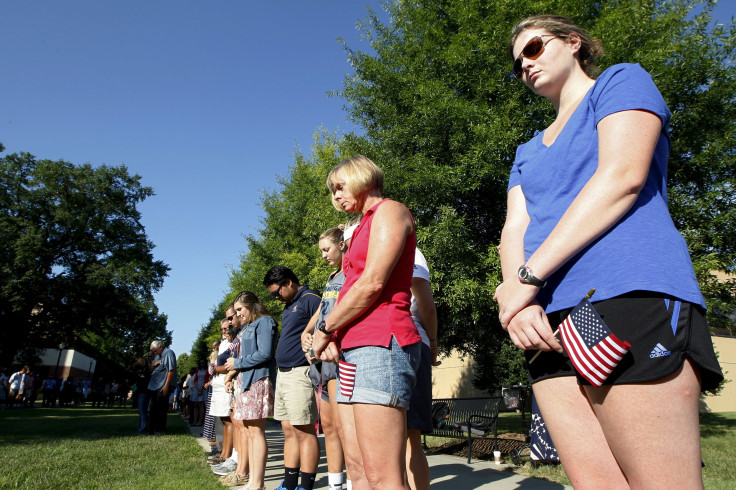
{"type": "Point", "coordinates": [75, 262]}
{"type": "Point", "coordinates": [443, 118]}
{"type": "Point", "coordinates": [294, 216]}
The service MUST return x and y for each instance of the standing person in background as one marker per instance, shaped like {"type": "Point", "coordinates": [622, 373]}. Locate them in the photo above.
{"type": "Point", "coordinates": [98, 399]}
{"type": "Point", "coordinates": [86, 387]}
{"type": "Point", "coordinates": [187, 393]}
{"type": "Point", "coordinates": [34, 383]}
{"type": "Point", "coordinates": [587, 207]}
{"type": "Point", "coordinates": [324, 374]}
{"type": "Point", "coordinates": [371, 328]}
{"type": "Point", "coordinates": [49, 393]}
{"type": "Point", "coordinates": [4, 388]}
{"type": "Point", "coordinates": [208, 429]}
{"type": "Point", "coordinates": [142, 395]}
{"type": "Point", "coordinates": [199, 394]}
{"type": "Point", "coordinates": [221, 400]}
{"type": "Point", "coordinates": [295, 405]}
{"type": "Point", "coordinates": [17, 385]}
{"type": "Point", "coordinates": [191, 390]}
{"type": "Point", "coordinates": [239, 458]}
{"type": "Point", "coordinates": [419, 415]}
{"type": "Point", "coordinates": [255, 369]}
{"type": "Point", "coordinates": [112, 394]}
{"type": "Point", "coordinates": [162, 382]}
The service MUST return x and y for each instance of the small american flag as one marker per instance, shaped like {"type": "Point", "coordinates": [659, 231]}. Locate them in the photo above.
{"type": "Point", "coordinates": [346, 377]}
{"type": "Point", "coordinates": [593, 349]}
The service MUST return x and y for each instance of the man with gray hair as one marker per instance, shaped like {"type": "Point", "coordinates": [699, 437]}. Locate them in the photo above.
{"type": "Point", "coordinates": [163, 378]}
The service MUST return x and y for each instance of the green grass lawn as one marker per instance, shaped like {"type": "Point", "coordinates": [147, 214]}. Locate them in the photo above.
{"type": "Point", "coordinates": [63, 448]}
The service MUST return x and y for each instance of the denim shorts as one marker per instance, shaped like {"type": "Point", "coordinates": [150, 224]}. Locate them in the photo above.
{"type": "Point", "coordinates": [383, 375]}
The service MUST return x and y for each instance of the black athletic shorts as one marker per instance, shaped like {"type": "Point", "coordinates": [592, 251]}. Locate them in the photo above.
{"type": "Point", "coordinates": [662, 331]}
{"type": "Point", "coordinates": [419, 414]}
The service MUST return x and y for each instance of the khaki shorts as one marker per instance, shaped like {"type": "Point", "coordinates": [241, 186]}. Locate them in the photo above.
{"type": "Point", "coordinates": [295, 402]}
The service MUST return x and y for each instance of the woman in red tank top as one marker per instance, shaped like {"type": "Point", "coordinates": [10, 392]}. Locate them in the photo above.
{"type": "Point", "coordinates": [370, 331]}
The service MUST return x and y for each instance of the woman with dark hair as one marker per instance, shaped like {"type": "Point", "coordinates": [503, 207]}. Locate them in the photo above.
{"type": "Point", "coordinates": [587, 207]}
{"type": "Point", "coordinates": [255, 371]}
{"type": "Point", "coordinates": [370, 331]}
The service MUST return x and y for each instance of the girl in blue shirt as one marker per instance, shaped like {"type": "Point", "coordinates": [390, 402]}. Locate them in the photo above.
{"type": "Point", "coordinates": [587, 208]}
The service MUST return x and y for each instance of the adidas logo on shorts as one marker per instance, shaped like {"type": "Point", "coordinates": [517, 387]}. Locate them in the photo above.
{"type": "Point", "coordinates": [659, 351]}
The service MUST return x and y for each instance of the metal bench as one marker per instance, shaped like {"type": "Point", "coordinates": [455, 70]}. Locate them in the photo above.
{"type": "Point", "coordinates": [465, 418]}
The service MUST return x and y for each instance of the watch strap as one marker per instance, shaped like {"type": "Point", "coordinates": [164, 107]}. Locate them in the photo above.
{"type": "Point", "coordinates": [527, 277]}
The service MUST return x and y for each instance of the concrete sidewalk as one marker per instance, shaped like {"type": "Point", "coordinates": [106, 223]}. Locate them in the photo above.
{"type": "Point", "coordinates": [448, 472]}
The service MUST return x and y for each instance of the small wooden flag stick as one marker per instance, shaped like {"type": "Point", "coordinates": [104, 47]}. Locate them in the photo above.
{"type": "Point", "coordinates": [587, 296]}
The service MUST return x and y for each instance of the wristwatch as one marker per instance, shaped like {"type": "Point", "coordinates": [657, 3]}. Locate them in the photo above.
{"type": "Point", "coordinates": [323, 328]}
{"type": "Point", "coordinates": [525, 276]}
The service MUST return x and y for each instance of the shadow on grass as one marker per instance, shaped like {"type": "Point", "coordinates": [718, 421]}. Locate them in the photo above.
{"type": "Point", "coordinates": [717, 424]}
{"type": "Point", "coordinates": [31, 425]}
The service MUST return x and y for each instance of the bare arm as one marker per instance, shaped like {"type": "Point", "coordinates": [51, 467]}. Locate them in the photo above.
{"type": "Point", "coordinates": [167, 383]}
{"type": "Point", "coordinates": [307, 334]}
{"type": "Point", "coordinates": [529, 328]}
{"type": "Point", "coordinates": [626, 145]}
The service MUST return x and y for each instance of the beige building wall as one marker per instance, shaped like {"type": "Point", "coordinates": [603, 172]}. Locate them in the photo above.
{"type": "Point", "coordinates": [454, 377]}
{"type": "Point", "coordinates": [725, 401]}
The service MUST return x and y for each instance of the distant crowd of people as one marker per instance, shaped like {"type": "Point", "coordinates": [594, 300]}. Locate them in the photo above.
{"type": "Point", "coordinates": [24, 388]}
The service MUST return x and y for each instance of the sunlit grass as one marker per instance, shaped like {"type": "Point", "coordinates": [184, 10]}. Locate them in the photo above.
{"type": "Point", "coordinates": [96, 448]}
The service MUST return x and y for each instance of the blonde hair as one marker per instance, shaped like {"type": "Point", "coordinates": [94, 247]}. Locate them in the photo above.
{"type": "Point", "coordinates": [360, 175]}
{"type": "Point", "coordinates": [590, 49]}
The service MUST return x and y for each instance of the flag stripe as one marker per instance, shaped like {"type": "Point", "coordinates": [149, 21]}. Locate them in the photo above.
{"type": "Point", "coordinates": [575, 352]}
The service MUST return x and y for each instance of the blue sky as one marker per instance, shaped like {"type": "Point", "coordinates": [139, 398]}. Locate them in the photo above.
{"type": "Point", "coordinates": [206, 100]}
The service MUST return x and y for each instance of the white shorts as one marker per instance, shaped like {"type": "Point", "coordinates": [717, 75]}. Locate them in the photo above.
{"type": "Point", "coordinates": [221, 401]}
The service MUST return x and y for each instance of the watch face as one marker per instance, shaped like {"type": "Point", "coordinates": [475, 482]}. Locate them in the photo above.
{"type": "Point", "coordinates": [523, 274]}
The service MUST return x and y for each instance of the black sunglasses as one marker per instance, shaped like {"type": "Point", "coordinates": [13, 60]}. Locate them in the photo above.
{"type": "Point", "coordinates": [277, 293]}
{"type": "Point", "coordinates": [532, 50]}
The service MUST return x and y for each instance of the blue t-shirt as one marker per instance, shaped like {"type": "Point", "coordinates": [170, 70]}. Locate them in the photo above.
{"type": "Point", "coordinates": [294, 320]}
{"type": "Point", "coordinates": [644, 250]}
{"type": "Point", "coordinates": [158, 376]}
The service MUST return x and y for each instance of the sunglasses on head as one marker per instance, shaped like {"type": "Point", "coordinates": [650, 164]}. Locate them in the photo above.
{"type": "Point", "coordinates": [531, 51]}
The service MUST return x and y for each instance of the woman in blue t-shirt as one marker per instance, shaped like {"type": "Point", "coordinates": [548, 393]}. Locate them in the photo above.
{"type": "Point", "coordinates": [587, 208]}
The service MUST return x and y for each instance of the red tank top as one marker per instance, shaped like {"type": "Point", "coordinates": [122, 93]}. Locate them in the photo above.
{"type": "Point", "coordinates": [389, 315]}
